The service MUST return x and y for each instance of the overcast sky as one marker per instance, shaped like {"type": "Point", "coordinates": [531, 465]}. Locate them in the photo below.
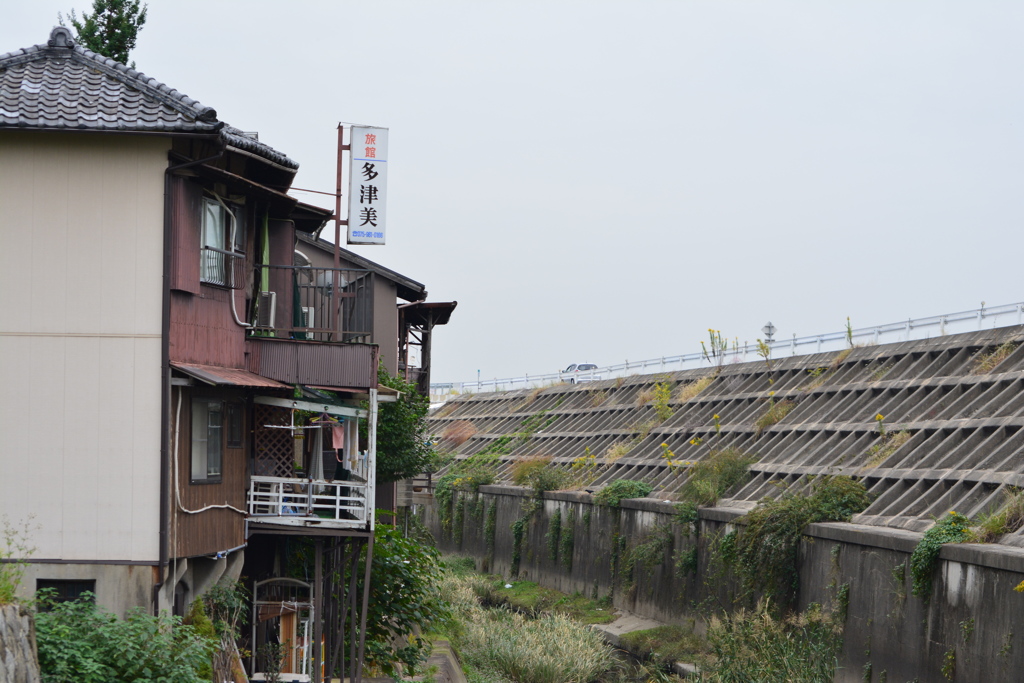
{"type": "Point", "coordinates": [601, 181]}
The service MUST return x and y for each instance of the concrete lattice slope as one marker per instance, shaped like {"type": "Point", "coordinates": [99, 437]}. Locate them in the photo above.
{"type": "Point", "coordinates": [962, 414]}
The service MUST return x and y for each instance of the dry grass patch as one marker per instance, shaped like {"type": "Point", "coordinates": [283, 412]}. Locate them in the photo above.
{"type": "Point", "coordinates": [690, 391]}
{"type": "Point", "coordinates": [617, 450]}
{"type": "Point", "coordinates": [987, 362]}
{"type": "Point", "coordinates": [531, 397]}
{"type": "Point", "coordinates": [776, 411]}
{"type": "Point", "coordinates": [888, 445]}
{"type": "Point", "coordinates": [840, 357]}
{"type": "Point", "coordinates": [456, 434]}
{"type": "Point", "coordinates": [1007, 519]}
{"type": "Point", "coordinates": [645, 396]}
{"type": "Point", "coordinates": [597, 398]}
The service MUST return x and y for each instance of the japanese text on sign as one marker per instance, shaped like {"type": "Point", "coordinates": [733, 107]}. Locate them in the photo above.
{"type": "Point", "coordinates": [367, 191]}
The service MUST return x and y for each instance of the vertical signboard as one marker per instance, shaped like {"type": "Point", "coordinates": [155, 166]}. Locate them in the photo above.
{"type": "Point", "coordinates": [367, 185]}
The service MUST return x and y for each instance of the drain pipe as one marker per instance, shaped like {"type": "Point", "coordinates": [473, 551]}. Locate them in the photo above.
{"type": "Point", "coordinates": [165, 378]}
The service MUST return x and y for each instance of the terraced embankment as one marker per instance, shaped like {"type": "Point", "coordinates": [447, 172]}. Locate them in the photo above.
{"type": "Point", "coordinates": [928, 427]}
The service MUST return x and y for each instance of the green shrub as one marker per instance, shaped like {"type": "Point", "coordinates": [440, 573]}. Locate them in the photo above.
{"type": "Point", "coordinates": [538, 473]}
{"type": "Point", "coordinates": [953, 528]}
{"type": "Point", "coordinates": [617, 491]}
{"type": "Point", "coordinates": [767, 547]}
{"type": "Point", "coordinates": [402, 447]}
{"type": "Point", "coordinates": [404, 599]}
{"type": "Point", "coordinates": [715, 475]}
{"type": "Point", "coordinates": [82, 643]}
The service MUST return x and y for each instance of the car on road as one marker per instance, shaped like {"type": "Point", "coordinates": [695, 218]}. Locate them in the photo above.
{"type": "Point", "coordinates": [577, 373]}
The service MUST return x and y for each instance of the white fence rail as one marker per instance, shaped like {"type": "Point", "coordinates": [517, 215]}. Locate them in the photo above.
{"type": "Point", "coordinates": [917, 328]}
{"type": "Point", "coordinates": [301, 502]}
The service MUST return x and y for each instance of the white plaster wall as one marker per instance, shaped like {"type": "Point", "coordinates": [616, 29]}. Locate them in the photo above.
{"type": "Point", "coordinates": [81, 242]}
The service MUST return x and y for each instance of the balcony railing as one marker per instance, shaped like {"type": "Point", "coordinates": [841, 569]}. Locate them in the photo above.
{"type": "Point", "coordinates": [222, 267]}
{"type": "Point", "coordinates": [314, 304]}
{"type": "Point", "coordinates": [307, 502]}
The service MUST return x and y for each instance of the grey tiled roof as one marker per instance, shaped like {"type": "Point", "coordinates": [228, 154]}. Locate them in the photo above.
{"type": "Point", "coordinates": [60, 85]}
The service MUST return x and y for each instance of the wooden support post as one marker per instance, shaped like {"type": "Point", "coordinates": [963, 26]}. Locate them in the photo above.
{"type": "Point", "coordinates": [318, 607]}
{"type": "Point", "coordinates": [362, 613]}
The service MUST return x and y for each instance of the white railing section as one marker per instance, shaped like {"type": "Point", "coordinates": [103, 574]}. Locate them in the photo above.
{"type": "Point", "coordinates": [305, 502]}
{"type": "Point", "coordinates": [910, 329]}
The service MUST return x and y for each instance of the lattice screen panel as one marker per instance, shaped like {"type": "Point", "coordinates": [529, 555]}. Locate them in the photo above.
{"type": "Point", "coordinates": [275, 447]}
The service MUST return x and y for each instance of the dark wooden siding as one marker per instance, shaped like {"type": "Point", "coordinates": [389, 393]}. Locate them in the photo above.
{"type": "Point", "coordinates": [203, 329]}
{"type": "Point", "coordinates": [211, 531]}
{"type": "Point", "coordinates": [299, 362]}
{"type": "Point", "coordinates": [185, 228]}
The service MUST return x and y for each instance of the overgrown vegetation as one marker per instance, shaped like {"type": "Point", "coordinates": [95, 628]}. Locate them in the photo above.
{"type": "Point", "coordinates": [766, 551]}
{"type": "Point", "coordinates": [80, 642]}
{"type": "Point", "coordinates": [987, 362]}
{"type": "Point", "coordinates": [665, 644]}
{"type": "Point", "coordinates": [405, 600]}
{"type": "Point", "coordinates": [614, 493]}
{"type": "Point", "coordinates": [709, 479]}
{"type": "Point", "coordinates": [505, 645]}
{"type": "Point", "coordinates": [539, 473]}
{"type": "Point", "coordinates": [756, 646]}
{"type": "Point", "coordinates": [648, 553]}
{"type": "Point", "coordinates": [953, 528]}
{"type": "Point", "coordinates": [1007, 519]}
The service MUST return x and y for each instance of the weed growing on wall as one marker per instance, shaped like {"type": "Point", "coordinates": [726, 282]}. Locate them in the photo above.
{"type": "Point", "coordinates": [767, 547]}
{"type": "Point", "coordinates": [614, 493]}
{"type": "Point", "coordinates": [490, 530]}
{"type": "Point", "coordinates": [566, 542]}
{"type": "Point", "coordinates": [688, 392]}
{"type": "Point", "coordinates": [987, 362]}
{"type": "Point", "coordinates": [642, 558]}
{"type": "Point", "coordinates": [554, 535]}
{"type": "Point", "coordinates": [458, 523]}
{"type": "Point", "coordinates": [773, 414]}
{"type": "Point", "coordinates": [1007, 519]}
{"type": "Point", "coordinates": [953, 528]}
{"type": "Point", "coordinates": [716, 348]}
{"type": "Point", "coordinates": [886, 445]}
{"type": "Point", "coordinates": [662, 396]}
{"type": "Point", "coordinates": [715, 475]}
{"type": "Point", "coordinates": [465, 475]}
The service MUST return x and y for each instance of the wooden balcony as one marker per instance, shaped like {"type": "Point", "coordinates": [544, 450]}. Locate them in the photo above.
{"type": "Point", "coordinates": [306, 503]}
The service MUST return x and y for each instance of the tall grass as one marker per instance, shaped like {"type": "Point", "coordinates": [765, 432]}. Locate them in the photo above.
{"type": "Point", "coordinates": [504, 645]}
{"type": "Point", "coordinates": [754, 646]}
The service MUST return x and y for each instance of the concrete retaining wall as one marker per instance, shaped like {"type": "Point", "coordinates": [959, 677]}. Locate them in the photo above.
{"type": "Point", "coordinates": [974, 615]}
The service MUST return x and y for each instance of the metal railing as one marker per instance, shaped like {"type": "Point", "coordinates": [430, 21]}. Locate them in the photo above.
{"type": "Point", "coordinates": [222, 267]}
{"type": "Point", "coordinates": [316, 304]}
{"type": "Point", "coordinates": [914, 328]}
{"type": "Point", "coordinates": [301, 502]}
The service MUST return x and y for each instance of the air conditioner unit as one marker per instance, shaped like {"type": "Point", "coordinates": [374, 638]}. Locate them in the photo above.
{"type": "Point", "coordinates": [308, 316]}
{"type": "Point", "coordinates": [265, 309]}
